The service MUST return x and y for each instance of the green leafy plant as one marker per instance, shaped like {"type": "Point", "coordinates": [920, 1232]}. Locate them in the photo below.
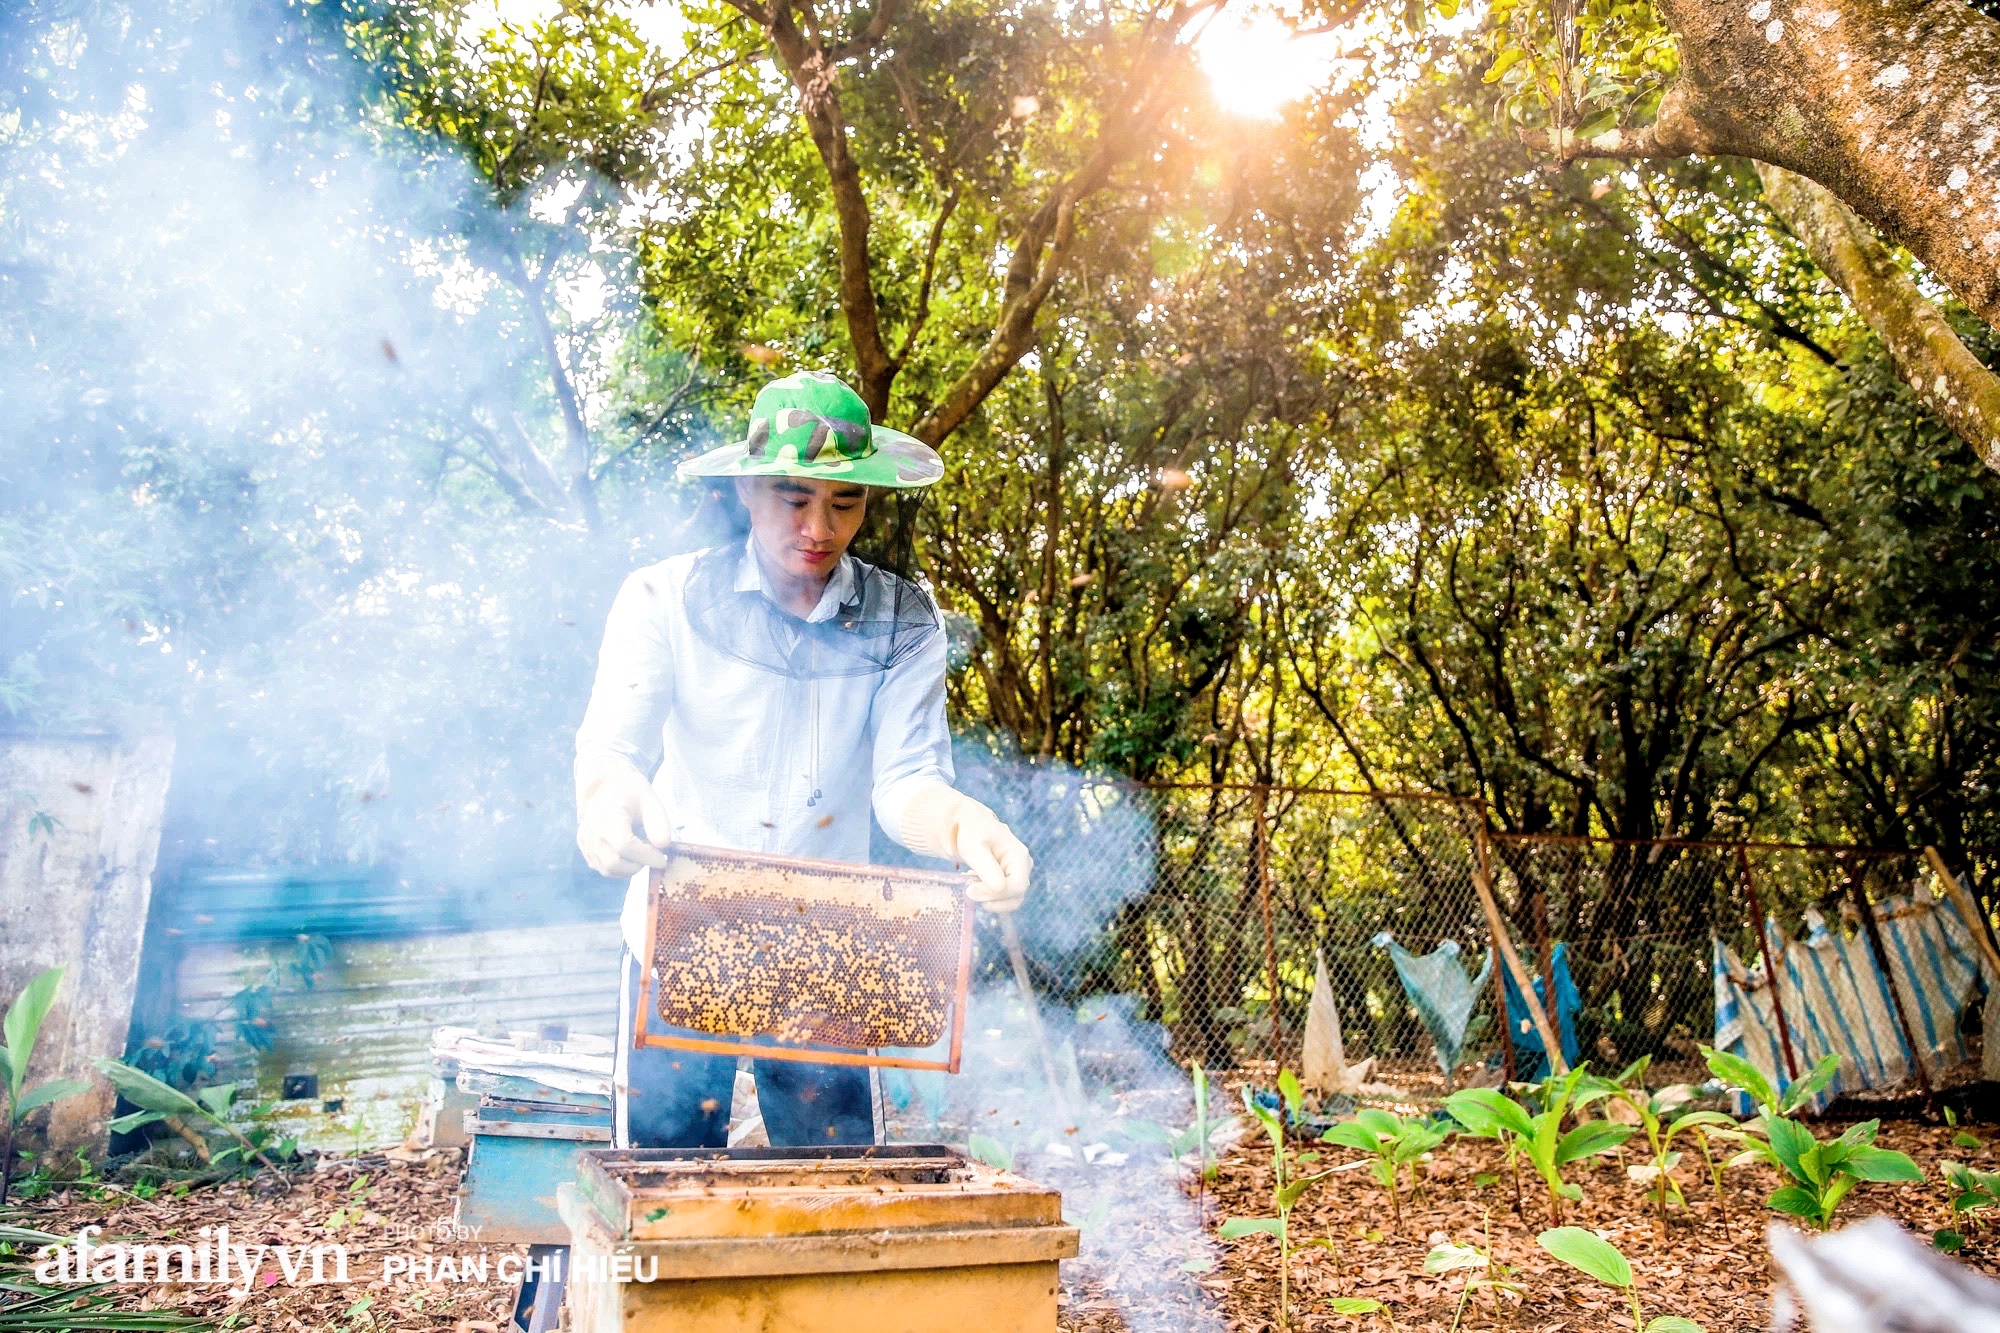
{"type": "Point", "coordinates": [159, 1103]}
{"type": "Point", "coordinates": [1494, 1278]}
{"type": "Point", "coordinates": [1286, 1189]}
{"type": "Point", "coordinates": [1391, 1143]}
{"type": "Point", "coordinates": [1471, 1108]}
{"type": "Point", "coordinates": [1737, 1072]}
{"type": "Point", "coordinates": [1596, 1257]}
{"type": "Point", "coordinates": [1962, 1139]}
{"type": "Point", "coordinates": [985, 1148]}
{"type": "Point", "coordinates": [1821, 1173]}
{"type": "Point", "coordinates": [1653, 1110]}
{"type": "Point", "coordinates": [1973, 1193]}
{"type": "Point", "coordinates": [1550, 1148]}
{"type": "Point", "coordinates": [1356, 1306]}
{"type": "Point", "coordinates": [1198, 1137]}
{"type": "Point", "coordinates": [26, 1304]}
{"type": "Point", "coordinates": [20, 1029]}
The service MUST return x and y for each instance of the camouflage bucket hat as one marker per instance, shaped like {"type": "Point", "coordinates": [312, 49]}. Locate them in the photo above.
{"type": "Point", "coordinates": [809, 424]}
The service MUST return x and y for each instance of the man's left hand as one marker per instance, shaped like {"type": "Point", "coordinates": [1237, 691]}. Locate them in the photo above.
{"type": "Point", "coordinates": [999, 859]}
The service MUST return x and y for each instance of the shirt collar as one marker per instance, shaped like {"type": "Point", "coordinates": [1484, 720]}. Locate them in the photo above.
{"type": "Point", "coordinates": [839, 586]}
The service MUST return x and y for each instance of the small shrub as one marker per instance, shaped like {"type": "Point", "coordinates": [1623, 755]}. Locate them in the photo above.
{"type": "Point", "coordinates": [1391, 1143]}
{"type": "Point", "coordinates": [1593, 1256]}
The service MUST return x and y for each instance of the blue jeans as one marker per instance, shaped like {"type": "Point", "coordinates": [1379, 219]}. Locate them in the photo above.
{"type": "Point", "coordinates": [680, 1099]}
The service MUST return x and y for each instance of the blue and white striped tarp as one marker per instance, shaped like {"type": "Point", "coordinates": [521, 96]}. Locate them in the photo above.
{"type": "Point", "coordinates": [1836, 999]}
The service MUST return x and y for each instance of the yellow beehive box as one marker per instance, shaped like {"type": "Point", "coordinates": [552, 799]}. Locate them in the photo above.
{"type": "Point", "coordinates": [903, 1237]}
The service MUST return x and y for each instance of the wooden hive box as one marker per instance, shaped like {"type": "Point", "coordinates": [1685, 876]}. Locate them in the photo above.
{"type": "Point", "coordinates": [900, 1237]}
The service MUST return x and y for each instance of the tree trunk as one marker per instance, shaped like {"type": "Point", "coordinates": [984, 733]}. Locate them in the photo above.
{"type": "Point", "coordinates": [1893, 105]}
{"type": "Point", "coordinates": [1926, 351]}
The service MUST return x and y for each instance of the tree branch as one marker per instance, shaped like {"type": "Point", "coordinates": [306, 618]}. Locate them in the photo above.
{"type": "Point", "coordinates": [1926, 351]}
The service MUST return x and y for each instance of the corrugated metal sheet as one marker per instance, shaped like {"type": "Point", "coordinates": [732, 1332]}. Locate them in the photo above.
{"type": "Point", "coordinates": [364, 1026]}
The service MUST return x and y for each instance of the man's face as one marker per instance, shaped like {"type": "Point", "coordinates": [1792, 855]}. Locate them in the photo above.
{"type": "Point", "coordinates": [802, 525]}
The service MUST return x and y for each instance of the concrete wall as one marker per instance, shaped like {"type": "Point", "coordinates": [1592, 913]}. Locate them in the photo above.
{"type": "Point", "coordinates": [79, 834]}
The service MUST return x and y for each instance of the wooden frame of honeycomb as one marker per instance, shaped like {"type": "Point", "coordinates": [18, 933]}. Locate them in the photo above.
{"type": "Point", "coordinates": [829, 961]}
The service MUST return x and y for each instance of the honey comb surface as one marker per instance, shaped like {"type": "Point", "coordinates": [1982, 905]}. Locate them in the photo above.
{"type": "Point", "coordinates": [833, 961]}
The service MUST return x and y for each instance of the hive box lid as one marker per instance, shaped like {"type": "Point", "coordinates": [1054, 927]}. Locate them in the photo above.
{"type": "Point", "coordinates": [646, 1194]}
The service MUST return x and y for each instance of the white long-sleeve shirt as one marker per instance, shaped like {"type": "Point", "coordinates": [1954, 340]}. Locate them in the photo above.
{"type": "Point", "coordinates": [734, 751]}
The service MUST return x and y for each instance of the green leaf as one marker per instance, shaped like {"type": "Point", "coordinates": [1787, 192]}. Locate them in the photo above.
{"type": "Point", "coordinates": [125, 1124]}
{"type": "Point", "coordinates": [1591, 1137]}
{"type": "Point", "coordinates": [1146, 1131]}
{"type": "Point", "coordinates": [1965, 1140]}
{"type": "Point", "coordinates": [24, 1023]}
{"type": "Point", "coordinates": [1882, 1166]}
{"type": "Point", "coordinates": [1450, 1258]}
{"type": "Point", "coordinates": [1291, 1193]}
{"type": "Point", "coordinates": [142, 1089]}
{"type": "Point", "coordinates": [53, 1091]}
{"type": "Point", "coordinates": [1289, 1089]}
{"type": "Point", "coordinates": [1947, 1240]}
{"type": "Point", "coordinates": [1790, 1142]}
{"type": "Point", "coordinates": [1355, 1305]}
{"type": "Point", "coordinates": [1814, 1083]}
{"type": "Point", "coordinates": [1738, 1072]}
{"type": "Point", "coordinates": [1830, 1197]}
{"type": "Point", "coordinates": [1489, 1107]}
{"type": "Point", "coordinates": [1503, 62]}
{"type": "Point", "coordinates": [1416, 1140]}
{"type": "Point", "coordinates": [1696, 1118]}
{"type": "Point", "coordinates": [1378, 1122]}
{"type": "Point", "coordinates": [1796, 1201]}
{"type": "Point", "coordinates": [1673, 1323]}
{"type": "Point", "coordinates": [216, 1098]}
{"type": "Point", "coordinates": [1588, 1253]}
{"type": "Point", "coordinates": [990, 1151]}
{"type": "Point", "coordinates": [1348, 1134]}
{"type": "Point", "coordinates": [1597, 124]}
{"type": "Point", "coordinates": [1237, 1227]}
{"type": "Point", "coordinates": [1630, 1074]}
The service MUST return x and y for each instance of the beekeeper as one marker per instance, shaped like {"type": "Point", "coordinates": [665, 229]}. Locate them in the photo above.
{"type": "Point", "coordinates": [770, 695]}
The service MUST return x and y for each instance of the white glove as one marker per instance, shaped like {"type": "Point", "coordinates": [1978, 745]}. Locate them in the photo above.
{"type": "Point", "coordinates": [612, 797]}
{"type": "Point", "coordinates": [939, 821]}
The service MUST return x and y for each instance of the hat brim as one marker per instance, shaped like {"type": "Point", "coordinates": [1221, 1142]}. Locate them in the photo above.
{"type": "Point", "coordinates": [900, 462]}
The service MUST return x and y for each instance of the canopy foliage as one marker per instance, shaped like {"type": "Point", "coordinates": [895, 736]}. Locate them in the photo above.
{"type": "Point", "coordinates": [1355, 447]}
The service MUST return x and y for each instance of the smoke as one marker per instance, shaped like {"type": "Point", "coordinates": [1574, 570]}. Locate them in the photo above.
{"type": "Point", "coordinates": [1099, 1140]}
{"type": "Point", "coordinates": [266, 386]}
{"type": "Point", "coordinates": [1093, 1107]}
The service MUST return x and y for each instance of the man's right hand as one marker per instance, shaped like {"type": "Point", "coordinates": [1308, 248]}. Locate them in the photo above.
{"type": "Point", "coordinates": [613, 802]}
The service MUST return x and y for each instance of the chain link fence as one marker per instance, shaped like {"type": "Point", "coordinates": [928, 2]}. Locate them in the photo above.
{"type": "Point", "coordinates": [1205, 910]}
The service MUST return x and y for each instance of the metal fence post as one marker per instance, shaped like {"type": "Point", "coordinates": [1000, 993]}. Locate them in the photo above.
{"type": "Point", "coordinates": [1259, 799]}
{"type": "Point", "coordinates": [1770, 963]}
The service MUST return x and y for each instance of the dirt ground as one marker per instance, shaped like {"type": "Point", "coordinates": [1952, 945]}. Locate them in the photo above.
{"type": "Point", "coordinates": [1710, 1267]}
{"type": "Point", "coordinates": [1138, 1271]}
